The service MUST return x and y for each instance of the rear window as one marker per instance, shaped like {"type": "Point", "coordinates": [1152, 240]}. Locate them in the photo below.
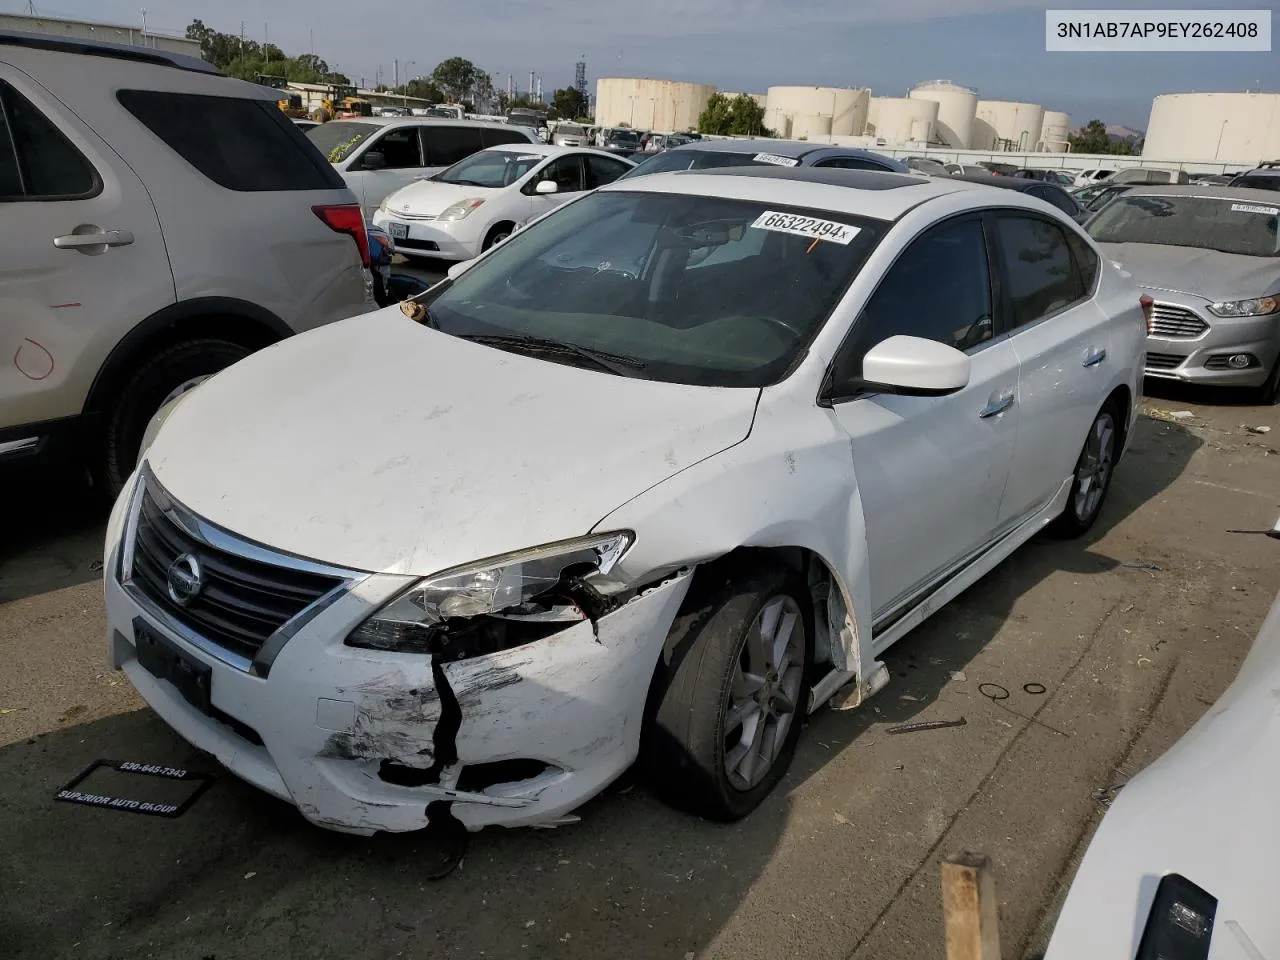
{"type": "Point", "coordinates": [244, 145]}
{"type": "Point", "coordinates": [694, 160]}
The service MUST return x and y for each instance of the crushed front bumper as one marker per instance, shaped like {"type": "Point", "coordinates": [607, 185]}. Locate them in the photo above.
{"type": "Point", "coordinates": [363, 741]}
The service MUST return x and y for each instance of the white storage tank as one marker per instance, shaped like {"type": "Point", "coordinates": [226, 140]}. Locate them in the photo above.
{"type": "Point", "coordinates": [845, 106]}
{"type": "Point", "coordinates": [810, 126]}
{"type": "Point", "coordinates": [1007, 125]}
{"type": "Point", "coordinates": [1239, 129]}
{"type": "Point", "coordinates": [899, 119]}
{"type": "Point", "coordinates": [664, 105]}
{"type": "Point", "coordinates": [957, 107]}
{"type": "Point", "coordinates": [1054, 133]}
{"type": "Point", "coordinates": [873, 115]}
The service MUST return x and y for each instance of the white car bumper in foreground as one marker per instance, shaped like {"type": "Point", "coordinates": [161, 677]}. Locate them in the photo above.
{"type": "Point", "coordinates": [361, 740]}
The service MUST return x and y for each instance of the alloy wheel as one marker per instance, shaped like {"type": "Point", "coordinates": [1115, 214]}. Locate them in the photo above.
{"type": "Point", "coordinates": [1093, 471]}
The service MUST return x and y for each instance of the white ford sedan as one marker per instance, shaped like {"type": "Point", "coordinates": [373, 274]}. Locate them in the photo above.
{"type": "Point", "coordinates": [655, 478]}
{"type": "Point", "coordinates": [480, 201]}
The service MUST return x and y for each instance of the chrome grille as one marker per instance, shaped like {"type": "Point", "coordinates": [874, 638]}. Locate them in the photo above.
{"type": "Point", "coordinates": [1177, 323]}
{"type": "Point", "coordinates": [1163, 361]}
{"type": "Point", "coordinates": [242, 601]}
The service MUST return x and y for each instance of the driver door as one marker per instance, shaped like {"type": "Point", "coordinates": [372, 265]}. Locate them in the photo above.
{"type": "Point", "coordinates": [566, 173]}
{"type": "Point", "coordinates": [930, 470]}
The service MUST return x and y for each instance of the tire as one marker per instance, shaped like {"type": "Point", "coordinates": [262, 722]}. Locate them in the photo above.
{"type": "Point", "coordinates": [1269, 393]}
{"type": "Point", "coordinates": [1093, 472]}
{"type": "Point", "coordinates": [496, 235]}
{"type": "Point", "coordinates": [146, 390]}
{"type": "Point", "coordinates": [695, 754]}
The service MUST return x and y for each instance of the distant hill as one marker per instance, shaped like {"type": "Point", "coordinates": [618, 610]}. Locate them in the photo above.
{"type": "Point", "coordinates": [1117, 132]}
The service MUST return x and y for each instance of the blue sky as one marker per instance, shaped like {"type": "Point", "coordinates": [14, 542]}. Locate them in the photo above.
{"type": "Point", "coordinates": [996, 46]}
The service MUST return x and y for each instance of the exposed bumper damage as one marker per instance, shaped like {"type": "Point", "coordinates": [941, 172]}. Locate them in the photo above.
{"type": "Point", "coordinates": [363, 741]}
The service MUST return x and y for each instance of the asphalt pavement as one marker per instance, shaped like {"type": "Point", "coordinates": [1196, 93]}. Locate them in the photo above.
{"type": "Point", "coordinates": [1130, 633]}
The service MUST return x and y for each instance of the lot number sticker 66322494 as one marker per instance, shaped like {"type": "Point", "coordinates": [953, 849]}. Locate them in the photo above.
{"type": "Point", "coordinates": [840, 233]}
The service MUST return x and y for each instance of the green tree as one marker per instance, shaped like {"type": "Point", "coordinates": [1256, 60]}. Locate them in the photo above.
{"type": "Point", "coordinates": [457, 77]}
{"type": "Point", "coordinates": [741, 116]}
{"type": "Point", "coordinates": [1093, 138]}
{"type": "Point", "coordinates": [568, 104]}
{"type": "Point", "coordinates": [424, 89]}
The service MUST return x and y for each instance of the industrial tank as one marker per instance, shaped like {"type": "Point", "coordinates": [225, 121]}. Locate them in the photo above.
{"type": "Point", "coordinates": [957, 106]}
{"type": "Point", "coordinates": [1240, 129]}
{"type": "Point", "coordinates": [873, 115]}
{"type": "Point", "coordinates": [664, 105]}
{"type": "Point", "coordinates": [899, 119]}
{"type": "Point", "coordinates": [846, 106]}
{"type": "Point", "coordinates": [1007, 125]}
{"type": "Point", "coordinates": [1054, 132]}
{"type": "Point", "coordinates": [810, 126]}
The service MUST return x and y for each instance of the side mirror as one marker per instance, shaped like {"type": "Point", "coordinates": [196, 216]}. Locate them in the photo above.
{"type": "Point", "coordinates": [547, 186]}
{"type": "Point", "coordinates": [373, 160]}
{"type": "Point", "coordinates": [916, 367]}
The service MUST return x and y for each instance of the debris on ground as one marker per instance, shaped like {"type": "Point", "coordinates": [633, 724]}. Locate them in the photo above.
{"type": "Point", "coordinates": [926, 725]}
{"type": "Point", "coordinates": [1141, 565]}
{"type": "Point", "coordinates": [1181, 414]}
{"type": "Point", "coordinates": [1263, 429]}
{"type": "Point", "coordinates": [841, 818]}
{"type": "Point", "coordinates": [251, 874]}
{"type": "Point", "coordinates": [959, 676]}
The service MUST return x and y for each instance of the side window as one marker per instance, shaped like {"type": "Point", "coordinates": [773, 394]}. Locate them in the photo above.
{"type": "Point", "coordinates": [1086, 261]}
{"type": "Point", "coordinates": [566, 171]}
{"type": "Point", "coordinates": [938, 289]}
{"type": "Point", "coordinates": [240, 144]}
{"type": "Point", "coordinates": [851, 163]}
{"type": "Point", "coordinates": [36, 160]}
{"type": "Point", "coordinates": [602, 170]}
{"type": "Point", "coordinates": [399, 149]}
{"type": "Point", "coordinates": [1038, 267]}
{"type": "Point", "coordinates": [493, 136]}
{"type": "Point", "coordinates": [446, 145]}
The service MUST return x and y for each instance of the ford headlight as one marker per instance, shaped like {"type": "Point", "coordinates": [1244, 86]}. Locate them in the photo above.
{"type": "Point", "coordinates": [1257, 307]}
{"type": "Point", "coordinates": [500, 603]}
{"type": "Point", "coordinates": [460, 210]}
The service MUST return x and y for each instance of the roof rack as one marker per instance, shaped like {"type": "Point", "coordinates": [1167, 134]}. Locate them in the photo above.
{"type": "Point", "coordinates": [1268, 164]}
{"type": "Point", "coordinates": [116, 51]}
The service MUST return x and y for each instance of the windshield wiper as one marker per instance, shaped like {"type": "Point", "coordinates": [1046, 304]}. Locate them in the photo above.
{"type": "Point", "coordinates": [623, 366]}
{"type": "Point", "coordinates": [465, 183]}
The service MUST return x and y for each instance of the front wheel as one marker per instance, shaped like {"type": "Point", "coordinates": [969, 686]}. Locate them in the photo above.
{"type": "Point", "coordinates": [1092, 477]}
{"type": "Point", "coordinates": [1269, 393]}
{"type": "Point", "coordinates": [734, 696]}
{"type": "Point", "coordinates": [497, 235]}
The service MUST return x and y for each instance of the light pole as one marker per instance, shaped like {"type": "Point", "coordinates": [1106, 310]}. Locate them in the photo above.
{"type": "Point", "coordinates": [633, 112]}
{"type": "Point", "coordinates": [406, 81]}
{"type": "Point", "coordinates": [653, 112]}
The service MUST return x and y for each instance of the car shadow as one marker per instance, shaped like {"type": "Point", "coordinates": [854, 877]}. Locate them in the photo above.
{"type": "Point", "coordinates": [1175, 391]}
{"type": "Point", "coordinates": [52, 533]}
{"type": "Point", "coordinates": [241, 874]}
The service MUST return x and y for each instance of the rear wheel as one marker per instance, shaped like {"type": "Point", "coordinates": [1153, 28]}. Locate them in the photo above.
{"type": "Point", "coordinates": [162, 377]}
{"type": "Point", "coordinates": [1093, 472]}
{"type": "Point", "coordinates": [733, 699]}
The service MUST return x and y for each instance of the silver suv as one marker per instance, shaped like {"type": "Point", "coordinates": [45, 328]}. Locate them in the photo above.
{"type": "Point", "coordinates": [161, 221]}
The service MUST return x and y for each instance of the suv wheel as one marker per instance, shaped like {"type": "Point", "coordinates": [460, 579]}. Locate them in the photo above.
{"type": "Point", "coordinates": [1093, 473]}
{"type": "Point", "coordinates": [730, 708]}
{"type": "Point", "coordinates": [161, 377]}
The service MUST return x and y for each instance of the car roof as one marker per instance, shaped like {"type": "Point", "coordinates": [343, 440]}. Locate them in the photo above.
{"type": "Point", "coordinates": [546, 150]}
{"type": "Point", "coordinates": [866, 193]}
{"type": "Point", "coordinates": [116, 51]}
{"type": "Point", "coordinates": [791, 149]}
{"type": "Point", "coordinates": [416, 121]}
{"type": "Point", "coordinates": [1007, 183]}
{"type": "Point", "coordinates": [1212, 191]}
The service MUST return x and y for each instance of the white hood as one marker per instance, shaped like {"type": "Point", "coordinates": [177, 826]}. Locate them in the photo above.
{"type": "Point", "coordinates": [428, 198]}
{"type": "Point", "coordinates": [378, 444]}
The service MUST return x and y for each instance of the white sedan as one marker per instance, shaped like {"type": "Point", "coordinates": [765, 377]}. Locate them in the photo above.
{"type": "Point", "coordinates": [657, 477]}
{"type": "Point", "coordinates": [482, 200]}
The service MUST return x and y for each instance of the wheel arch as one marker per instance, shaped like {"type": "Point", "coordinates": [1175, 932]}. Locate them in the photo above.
{"type": "Point", "coordinates": [227, 318]}
{"type": "Point", "coordinates": [1122, 398]}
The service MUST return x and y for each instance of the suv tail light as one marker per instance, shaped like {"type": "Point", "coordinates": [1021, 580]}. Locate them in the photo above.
{"type": "Point", "coordinates": [349, 219]}
{"type": "Point", "coordinates": [1148, 309]}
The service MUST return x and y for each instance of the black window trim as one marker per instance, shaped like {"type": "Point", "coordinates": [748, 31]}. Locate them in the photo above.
{"type": "Point", "coordinates": [826, 395]}
{"type": "Point", "coordinates": [95, 188]}
{"type": "Point", "coordinates": [530, 189]}
{"type": "Point", "coordinates": [832, 163]}
{"type": "Point", "coordinates": [1006, 303]}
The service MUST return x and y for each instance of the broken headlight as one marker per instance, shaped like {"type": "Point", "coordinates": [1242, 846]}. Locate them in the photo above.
{"type": "Point", "coordinates": [500, 603]}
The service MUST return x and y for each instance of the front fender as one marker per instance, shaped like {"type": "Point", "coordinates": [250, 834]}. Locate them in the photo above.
{"type": "Point", "coordinates": [790, 483]}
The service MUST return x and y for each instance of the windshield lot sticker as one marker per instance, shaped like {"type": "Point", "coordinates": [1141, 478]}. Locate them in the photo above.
{"type": "Point", "coordinates": [811, 227]}
{"type": "Point", "coordinates": [1254, 208]}
{"type": "Point", "coordinates": [775, 160]}
{"type": "Point", "coordinates": [152, 789]}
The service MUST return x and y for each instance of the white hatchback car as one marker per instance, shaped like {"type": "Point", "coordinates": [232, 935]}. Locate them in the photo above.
{"type": "Point", "coordinates": [658, 476]}
{"type": "Point", "coordinates": [458, 214]}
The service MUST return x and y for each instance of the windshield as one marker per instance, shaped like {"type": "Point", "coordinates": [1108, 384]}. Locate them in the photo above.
{"type": "Point", "coordinates": [570, 130]}
{"type": "Point", "coordinates": [1210, 223]}
{"type": "Point", "coordinates": [524, 120]}
{"type": "Point", "coordinates": [337, 139]}
{"type": "Point", "coordinates": [684, 289]}
{"type": "Point", "coordinates": [624, 136]}
{"type": "Point", "coordinates": [692, 160]}
{"type": "Point", "coordinates": [490, 168]}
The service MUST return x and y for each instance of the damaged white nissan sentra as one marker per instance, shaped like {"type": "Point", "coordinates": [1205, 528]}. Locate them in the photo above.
{"type": "Point", "coordinates": [654, 478]}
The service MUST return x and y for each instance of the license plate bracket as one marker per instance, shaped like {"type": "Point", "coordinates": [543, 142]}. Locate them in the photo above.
{"type": "Point", "coordinates": [398, 231]}
{"type": "Point", "coordinates": [162, 659]}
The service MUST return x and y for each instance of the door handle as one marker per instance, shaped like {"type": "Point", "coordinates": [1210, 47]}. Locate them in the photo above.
{"type": "Point", "coordinates": [1094, 357]}
{"type": "Point", "coordinates": [997, 405]}
{"type": "Point", "coordinates": [103, 238]}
